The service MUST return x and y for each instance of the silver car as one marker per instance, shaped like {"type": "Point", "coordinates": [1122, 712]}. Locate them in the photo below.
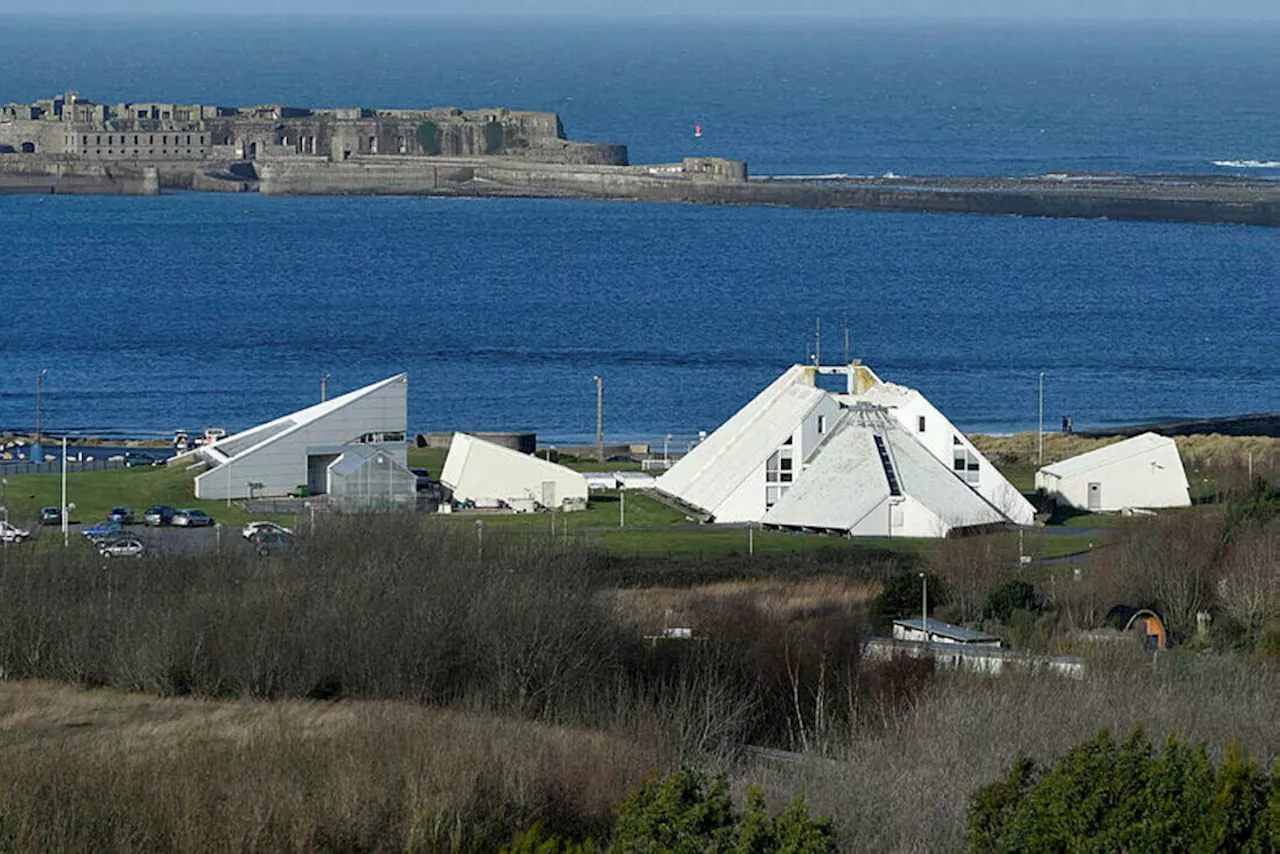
{"type": "Point", "coordinates": [124, 547]}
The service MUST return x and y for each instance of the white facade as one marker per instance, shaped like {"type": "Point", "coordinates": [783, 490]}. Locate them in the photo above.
{"type": "Point", "coordinates": [1144, 471]}
{"type": "Point", "coordinates": [481, 471]}
{"type": "Point", "coordinates": [275, 458]}
{"type": "Point", "coordinates": [875, 460]}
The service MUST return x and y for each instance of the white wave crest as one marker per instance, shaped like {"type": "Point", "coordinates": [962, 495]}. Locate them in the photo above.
{"type": "Point", "coordinates": [1248, 164]}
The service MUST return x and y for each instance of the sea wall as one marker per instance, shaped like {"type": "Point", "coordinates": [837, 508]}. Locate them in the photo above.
{"type": "Point", "coordinates": [24, 173]}
{"type": "Point", "coordinates": [693, 182]}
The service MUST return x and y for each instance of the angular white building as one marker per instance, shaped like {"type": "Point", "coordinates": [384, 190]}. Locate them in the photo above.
{"type": "Point", "coordinates": [1144, 471]}
{"type": "Point", "coordinates": [349, 445]}
{"type": "Point", "coordinates": [477, 470]}
{"type": "Point", "coordinates": [874, 460]}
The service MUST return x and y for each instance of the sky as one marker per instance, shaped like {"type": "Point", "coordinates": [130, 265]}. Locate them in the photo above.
{"type": "Point", "coordinates": [1170, 10]}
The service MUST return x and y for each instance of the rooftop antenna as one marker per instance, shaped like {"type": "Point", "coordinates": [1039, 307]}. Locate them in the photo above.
{"type": "Point", "coordinates": [817, 346]}
{"type": "Point", "coordinates": [846, 342]}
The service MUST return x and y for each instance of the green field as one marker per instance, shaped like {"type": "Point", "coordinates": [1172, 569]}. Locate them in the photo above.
{"type": "Point", "coordinates": [651, 529]}
{"type": "Point", "coordinates": [96, 492]}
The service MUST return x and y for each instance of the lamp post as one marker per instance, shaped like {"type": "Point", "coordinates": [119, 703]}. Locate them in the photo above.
{"type": "Point", "coordinates": [599, 418]}
{"type": "Point", "coordinates": [39, 394]}
{"type": "Point", "coordinates": [1041, 433]}
{"type": "Point", "coordinates": [924, 605]}
{"type": "Point", "coordinates": [66, 530]}
{"type": "Point", "coordinates": [324, 387]}
{"type": "Point", "coordinates": [666, 456]}
{"type": "Point", "coordinates": [4, 496]}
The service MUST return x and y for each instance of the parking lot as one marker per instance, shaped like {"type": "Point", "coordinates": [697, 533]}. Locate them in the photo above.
{"type": "Point", "coordinates": [165, 540]}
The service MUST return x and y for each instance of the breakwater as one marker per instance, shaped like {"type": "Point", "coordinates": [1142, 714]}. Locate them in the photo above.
{"type": "Point", "coordinates": [700, 180]}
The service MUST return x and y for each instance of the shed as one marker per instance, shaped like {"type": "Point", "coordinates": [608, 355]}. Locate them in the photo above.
{"type": "Point", "coordinates": [1145, 471]}
{"type": "Point", "coordinates": [936, 631]}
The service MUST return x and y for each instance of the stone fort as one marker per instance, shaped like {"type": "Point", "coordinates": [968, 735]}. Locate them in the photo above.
{"type": "Point", "coordinates": [177, 137]}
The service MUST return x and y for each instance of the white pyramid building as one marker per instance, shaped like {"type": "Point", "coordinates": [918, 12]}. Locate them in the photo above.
{"type": "Point", "coordinates": [874, 460]}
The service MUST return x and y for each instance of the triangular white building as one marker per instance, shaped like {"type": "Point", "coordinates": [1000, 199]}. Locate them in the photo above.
{"type": "Point", "coordinates": [874, 460]}
{"type": "Point", "coordinates": [477, 470]}
{"type": "Point", "coordinates": [324, 448]}
{"type": "Point", "coordinates": [1144, 471]}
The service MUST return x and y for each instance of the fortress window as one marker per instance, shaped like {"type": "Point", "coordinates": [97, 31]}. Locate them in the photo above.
{"type": "Point", "coordinates": [164, 140]}
{"type": "Point", "coordinates": [135, 139]}
{"type": "Point", "coordinates": [152, 141]}
{"type": "Point", "coordinates": [202, 139]}
{"type": "Point", "coordinates": [84, 140]}
{"type": "Point", "coordinates": [99, 139]}
{"type": "Point", "coordinates": [188, 139]}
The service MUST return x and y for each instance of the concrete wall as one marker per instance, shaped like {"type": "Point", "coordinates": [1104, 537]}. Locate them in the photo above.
{"type": "Point", "coordinates": [21, 173]}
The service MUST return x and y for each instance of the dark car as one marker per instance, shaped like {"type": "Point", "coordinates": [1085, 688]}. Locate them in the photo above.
{"type": "Point", "coordinates": [191, 518]}
{"type": "Point", "coordinates": [104, 529]}
{"type": "Point", "coordinates": [268, 541]}
{"type": "Point", "coordinates": [123, 515]}
{"type": "Point", "coordinates": [50, 515]}
{"type": "Point", "coordinates": [158, 514]}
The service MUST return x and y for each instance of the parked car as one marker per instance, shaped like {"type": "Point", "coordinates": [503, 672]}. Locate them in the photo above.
{"type": "Point", "coordinates": [50, 515]}
{"type": "Point", "coordinates": [423, 479]}
{"type": "Point", "coordinates": [12, 533]}
{"type": "Point", "coordinates": [103, 530]}
{"type": "Point", "coordinates": [252, 528]}
{"type": "Point", "coordinates": [158, 514]}
{"type": "Point", "coordinates": [123, 515]}
{"type": "Point", "coordinates": [191, 518]}
{"type": "Point", "coordinates": [122, 547]}
{"type": "Point", "coordinates": [272, 541]}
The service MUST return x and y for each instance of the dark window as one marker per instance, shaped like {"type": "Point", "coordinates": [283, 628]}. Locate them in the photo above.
{"type": "Point", "coordinates": [920, 424]}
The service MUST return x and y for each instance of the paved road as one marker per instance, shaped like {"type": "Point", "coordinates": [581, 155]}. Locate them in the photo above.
{"type": "Point", "coordinates": [166, 540]}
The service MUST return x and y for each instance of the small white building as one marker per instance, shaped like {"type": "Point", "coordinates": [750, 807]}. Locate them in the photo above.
{"type": "Point", "coordinates": [481, 471]}
{"type": "Point", "coordinates": [936, 631]}
{"type": "Point", "coordinates": [301, 449]}
{"type": "Point", "coordinates": [1144, 471]}
{"type": "Point", "coordinates": [876, 459]}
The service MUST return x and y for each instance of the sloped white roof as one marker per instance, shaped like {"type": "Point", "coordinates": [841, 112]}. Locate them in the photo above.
{"type": "Point", "coordinates": [476, 468]}
{"type": "Point", "coordinates": [846, 479]}
{"type": "Point", "coordinates": [709, 473]}
{"type": "Point", "coordinates": [246, 441]}
{"type": "Point", "coordinates": [1142, 444]}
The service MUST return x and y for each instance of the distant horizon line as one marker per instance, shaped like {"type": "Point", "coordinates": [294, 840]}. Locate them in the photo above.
{"type": "Point", "coordinates": [498, 19]}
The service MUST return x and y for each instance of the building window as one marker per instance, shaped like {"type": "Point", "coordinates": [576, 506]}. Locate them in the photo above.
{"type": "Point", "coordinates": [822, 424]}
{"type": "Point", "coordinates": [920, 424]}
{"type": "Point", "coordinates": [965, 465]}
{"type": "Point", "coordinates": [778, 473]}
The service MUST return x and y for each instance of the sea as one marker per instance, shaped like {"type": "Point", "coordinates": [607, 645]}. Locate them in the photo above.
{"type": "Point", "coordinates": [189, 310]}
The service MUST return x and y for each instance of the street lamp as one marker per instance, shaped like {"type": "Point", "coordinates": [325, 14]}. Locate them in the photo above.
{"type": "Point", "coordinates": [1041, 463]}
{"type": "Point", "coordinates": [39, 392]}
{"type": "Point", "coordinates": [324, 387]}
{"type": "Point", "coordinates": [599, 418]}
{"type": "Point", "coordinates": [924, 605]}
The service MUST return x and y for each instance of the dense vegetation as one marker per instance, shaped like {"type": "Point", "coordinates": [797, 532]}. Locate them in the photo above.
{"type": "Point", "coordinates": [1105, 795]}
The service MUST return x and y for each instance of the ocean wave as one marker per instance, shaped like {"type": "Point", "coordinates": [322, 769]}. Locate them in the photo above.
{"type": "Point", "coordinates": [1248, 164]}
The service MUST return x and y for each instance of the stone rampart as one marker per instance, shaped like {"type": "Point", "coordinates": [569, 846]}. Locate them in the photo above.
{"type": "Point", "coordinates": [21, 173]}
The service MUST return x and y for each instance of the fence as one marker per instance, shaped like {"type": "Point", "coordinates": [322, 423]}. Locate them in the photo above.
{"type": "Point", "coordinates": [11, 469]}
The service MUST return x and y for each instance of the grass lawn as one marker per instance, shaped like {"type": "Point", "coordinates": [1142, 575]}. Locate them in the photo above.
{"type": "Point", "coordinates": [96, 492]}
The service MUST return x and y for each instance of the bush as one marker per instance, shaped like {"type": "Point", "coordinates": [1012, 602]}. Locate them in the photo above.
{"type": "Point", "coordinates": [1009, 597]}
{"type": "Point", "coordinates": [689, 813]}
{"type": "Point", "coordinates": [901, 596]}
{"type": "Point", "coordinates": [1107, 796]}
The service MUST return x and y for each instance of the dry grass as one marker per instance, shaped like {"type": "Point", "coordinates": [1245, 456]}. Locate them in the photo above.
{"type": "Point", "coordinates": [660, 607]}
{"type": "Point", "coordinates": [99, 770]}
{"type": "Point", "coordinates": [905, 787]}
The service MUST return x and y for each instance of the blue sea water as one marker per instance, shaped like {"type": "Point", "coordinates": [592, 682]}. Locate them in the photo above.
{"type": "Point", "coordinates": [186, 310]}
